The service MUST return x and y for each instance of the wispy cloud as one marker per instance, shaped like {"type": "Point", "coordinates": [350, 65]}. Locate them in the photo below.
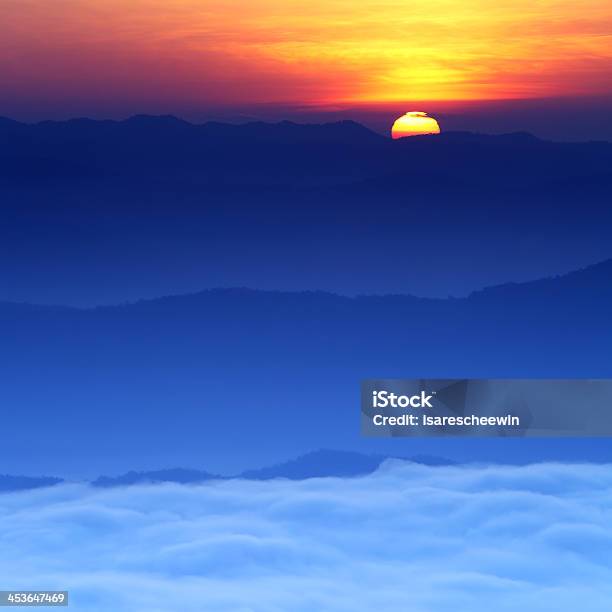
{"type": "Point", "coordinates": [409, 537]}
{"type": "Point", "coordinates": [192, 52]}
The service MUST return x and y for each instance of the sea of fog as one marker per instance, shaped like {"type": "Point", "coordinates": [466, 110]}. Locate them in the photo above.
{"type": "Point", "coordinates": [406, 538]}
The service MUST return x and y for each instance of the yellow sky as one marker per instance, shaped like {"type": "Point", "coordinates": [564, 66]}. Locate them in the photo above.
{"type": "Point", "coordinates": [307, 52]}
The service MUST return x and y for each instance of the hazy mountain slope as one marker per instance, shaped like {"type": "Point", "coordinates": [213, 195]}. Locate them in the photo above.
{"type": "Point", "coordinates": [235, 378]}
{"type": "Point", "coordinates": [100, 211]}
{"type": "Point", "coordinates": [25, 483]}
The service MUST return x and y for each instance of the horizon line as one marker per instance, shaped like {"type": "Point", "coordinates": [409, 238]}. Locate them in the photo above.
{"type": "Point", "coordinates": [253, 121]}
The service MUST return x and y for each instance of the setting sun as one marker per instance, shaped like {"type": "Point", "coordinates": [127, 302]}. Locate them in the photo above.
{"type": "Point", "coordinates": [414, 123]}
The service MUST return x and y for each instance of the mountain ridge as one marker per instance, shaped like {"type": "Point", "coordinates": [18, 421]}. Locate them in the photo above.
{"type": "Point", "coordinates": [169, 120]}
{"type": "Point", "coordinates": [322, 463]}
{"type": "Point", "coordinates": [222, 371]}
{"type": "Point", "coordinates": [315, 464]}
{"type": "Point", "coordinates": [603, 268]}
{"type": "Point", "coordinates": [119, 204]}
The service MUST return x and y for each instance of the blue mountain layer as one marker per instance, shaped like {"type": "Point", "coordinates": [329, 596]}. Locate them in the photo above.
{"type": "Point", "coordinates": [233, 378]}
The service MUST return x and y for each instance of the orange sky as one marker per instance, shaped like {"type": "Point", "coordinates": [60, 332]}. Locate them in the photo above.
{"type": "Point", "coordinates": [315, 52]}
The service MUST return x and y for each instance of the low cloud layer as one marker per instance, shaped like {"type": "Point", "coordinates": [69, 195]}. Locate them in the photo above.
{"type": "Point", "coordinates": [407, 538]}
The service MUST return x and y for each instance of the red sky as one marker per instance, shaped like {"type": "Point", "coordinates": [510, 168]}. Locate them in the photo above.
{"type": "Point", "coordinates": [115, 58]}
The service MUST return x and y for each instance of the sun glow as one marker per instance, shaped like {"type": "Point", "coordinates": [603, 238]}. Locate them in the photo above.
{"type": "Point", "coordinates": [290, 52]}
{"type": "Point", "coordinates": [414, 123]}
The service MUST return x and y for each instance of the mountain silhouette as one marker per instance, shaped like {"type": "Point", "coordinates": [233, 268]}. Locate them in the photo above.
{"type": "Point", "coordinates": [337, 229]}
{"type": "Point", "coordinates": [231, 378]}
{"type": "Point", "coordinates": [26, 483]}
{"type": "Point", "coordinates": [316, 464]}
{"type": "Point", "coordinates": [104, 211]}
{"type": "Point", "coordinates": [176, 475]}
{"type": "Point", "coordinates": [330, 463]}
{"type": "Point", "coordinates": [284, 154]}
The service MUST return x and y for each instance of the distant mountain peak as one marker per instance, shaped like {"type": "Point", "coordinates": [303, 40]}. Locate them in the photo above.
{"type": "Point", "coordinates": [324, 463]}
{"type": "Point", "coordinates": [25, 483]}
{"type": "Point", "coordinates": [177, 475]}
{"type": "Point", "coordinates": [593, 276]}
{"type": "Point", "coordinates": [160, 119]}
